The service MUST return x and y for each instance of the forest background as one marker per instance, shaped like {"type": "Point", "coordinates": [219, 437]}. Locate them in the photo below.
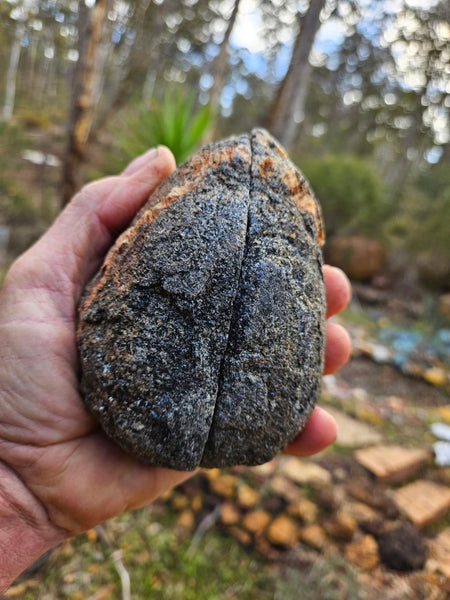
{"type": "Point", "coordinates": [357, 90]}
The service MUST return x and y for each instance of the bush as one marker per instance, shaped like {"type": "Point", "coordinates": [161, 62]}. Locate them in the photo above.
{"type": "Point", "coordinates": [350, 192]}
{"type": "Point", "coordinates": [175, 122]}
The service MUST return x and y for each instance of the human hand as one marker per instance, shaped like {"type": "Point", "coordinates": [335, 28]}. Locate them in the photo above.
{"type": "Point", "coordinates": [59, 474]}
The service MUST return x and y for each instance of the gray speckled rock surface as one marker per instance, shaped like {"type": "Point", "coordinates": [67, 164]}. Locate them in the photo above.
{"type": "Point", "coordinates": [201, 338]}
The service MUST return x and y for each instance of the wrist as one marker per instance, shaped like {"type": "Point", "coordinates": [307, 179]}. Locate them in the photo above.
{"type": "Point", "coordinates": [25, 532]}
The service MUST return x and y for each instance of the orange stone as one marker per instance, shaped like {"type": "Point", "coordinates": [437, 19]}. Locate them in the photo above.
{"type": "Point", "coordinates": [303, 509]}
{"type": "Point", "coordinates": [229, 514]}
{"type": "Point", "coordinates": [313, 535]}
{"type": "Point", "coordinates": [186, 519]}
{"type": "Point", "coordinates": [224, 485]}
{"type": "Point", "coordinates": [247, 497]}
{"type": "Point", "coordinates": [363, 553]}
{"type": "Point", "coordinates": [341, 526]}
{"type": "Point", "coordinates": [256, 521]}
{"type": "Point", "coordinates": [282, 532]}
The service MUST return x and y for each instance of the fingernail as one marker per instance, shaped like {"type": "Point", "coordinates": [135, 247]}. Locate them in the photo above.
{"type": "Point", "coordinates": [140, 161]}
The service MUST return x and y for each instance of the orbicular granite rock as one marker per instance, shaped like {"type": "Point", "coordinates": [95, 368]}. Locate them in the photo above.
{"type": "Point", "coordinates": [201, 338]}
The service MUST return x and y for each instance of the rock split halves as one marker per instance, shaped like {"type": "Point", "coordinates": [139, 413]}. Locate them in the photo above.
{"type": "Point", "coordinates": [201, 338]}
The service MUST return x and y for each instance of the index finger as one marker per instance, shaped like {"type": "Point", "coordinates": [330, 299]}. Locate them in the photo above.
{"type": "Point", "coordinates": [338, 289]}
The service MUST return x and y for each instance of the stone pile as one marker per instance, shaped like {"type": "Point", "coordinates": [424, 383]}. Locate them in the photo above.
{"type": "Point", "coordinates": [380, 521]}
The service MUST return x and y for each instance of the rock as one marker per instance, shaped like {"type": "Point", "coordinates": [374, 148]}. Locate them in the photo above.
{"type": "Point", "coordinates": [282, 487]}
{"type": "Point", "coordinates": [304, 472]}
{"type": "Point", "coordinates": [186, 519]}
{"type": "Point", "coordinates": [201, 337]}
{"type": "Point", "coordinates": [275, 504]}
{"type": "Point", "coordinates": [211, 474]}
{"type": "Point", "coordinates": [313, 535]}
{"type": "Point", "coordinates": [282, 532]}
{"type": "Point", "coordinates": [329, 497]}
{"type": "Point", "coordinates": [179, 502]}
{"type": "Point", "coordinates": [436, 376]}
{"type": "Point", "coordinates": [392, 463]}
{"type": "Point", "coordinates": [442, 412]}
{"type": "Point", "coordinates": [256, 521]}
{"type": "Point", "coordinates": [247, 497]}
{"type": "Point", "coordinates": [352, 433]}
{"type": "Point", "coordinates": [224, 486]}
{"type": "Point", "coordinates": [444, 306]}
{"type": "Point", "coordinates": [361, 258]}
{"type": "Point", "coordinates": [423, 501]}
{"type": "Point", "coordinates": [360, 512]}
{"type": "Point", "coordinates": [341, 526]}
{"type": "Point", "coordinates": [375, 527]}
{"type": "Point", "coordinates": [229, 514]}
{"type": "Point", "coordinates": [363, 553]}
{"type": "Point", "coordinates": [303, 509]}
{"type": "Point", "coordinates": [197, 503]}
{"type": "Point", "coordinates": [402, 548]}
{"type": "Point", "coordinates": [440, 552]}
{"type": "Point", "coordinates": [374, 497]}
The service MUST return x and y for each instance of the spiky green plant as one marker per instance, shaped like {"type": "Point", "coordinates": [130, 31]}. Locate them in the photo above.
{"type": "Point", "coordinates": [175, 121]}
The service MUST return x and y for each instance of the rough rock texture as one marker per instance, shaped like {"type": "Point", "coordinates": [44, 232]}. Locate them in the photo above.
{"type": "Point", "coordinates": [402, 548]}
{"type": "Point", "coordinates": [201, 338]}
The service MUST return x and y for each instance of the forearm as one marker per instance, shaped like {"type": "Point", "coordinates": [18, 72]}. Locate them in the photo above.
{"type": "Point", "coordinates": [24, 531]}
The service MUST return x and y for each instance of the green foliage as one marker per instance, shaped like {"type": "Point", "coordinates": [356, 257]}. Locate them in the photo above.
{"type": "Point", "coordinates": [15, 206]}
{"type": "Point", "coordinates": [175, 121]}
{"type": "Point", "coordinates": [35, 119]}
{"type": "Point", "coordinates": [421, 225]}
{"type": "Point", "coordinates": [350, 193]}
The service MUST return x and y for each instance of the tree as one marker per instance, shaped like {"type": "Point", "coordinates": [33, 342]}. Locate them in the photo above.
{"type": "Point", "coordinates": [287, 109]}
{"type": "Point", "coordinates": [90, 22]}
{"type": "Point", "coordinates": [14, 57]}
{"type": "Point", "coordinates": [219, 67]}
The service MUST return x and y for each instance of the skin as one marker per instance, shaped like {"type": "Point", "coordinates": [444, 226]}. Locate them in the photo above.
{"type": "Point", "coordinates": [59, 474]}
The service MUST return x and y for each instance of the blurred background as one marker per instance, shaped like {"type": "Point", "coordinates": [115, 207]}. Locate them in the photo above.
{"type": "Point", "coordinates": [358, 92]}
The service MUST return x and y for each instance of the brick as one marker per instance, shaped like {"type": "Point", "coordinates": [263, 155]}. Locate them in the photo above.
{"type": "Point", "coordinates": [423, 501]}
{"type": "Point", "coordinates": [391, 463]}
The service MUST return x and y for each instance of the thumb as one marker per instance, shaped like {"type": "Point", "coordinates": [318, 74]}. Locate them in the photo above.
{"type": "Point", "coordinates": [68, 254]}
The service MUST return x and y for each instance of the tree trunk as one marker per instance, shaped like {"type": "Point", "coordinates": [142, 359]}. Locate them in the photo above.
{"type": "Point", "coordinates": [118, 91]}
{"type": "Point", "coordinates": [287, 110]}
{"type": "Point", "coordinates": [90, 22]}
{"type": "Point", "coordinates": [219, 70]}
{"type": "Point", "coordinates": [11, 76]}
{"type": "Point", "coordinates": [219, 67]}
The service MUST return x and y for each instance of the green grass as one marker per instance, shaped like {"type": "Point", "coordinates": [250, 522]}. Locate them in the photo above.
{"type": "Point", "coordinates": [162, 565]}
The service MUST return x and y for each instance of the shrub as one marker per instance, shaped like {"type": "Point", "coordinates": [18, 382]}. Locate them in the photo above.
{"type": "Point", "coordinates": [175, 122]}
{"type": "Point", "coordinates": [350, 192]}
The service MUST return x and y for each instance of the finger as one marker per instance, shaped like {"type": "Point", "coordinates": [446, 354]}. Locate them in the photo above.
{"type": "Point", "coordinates": [140, 161]}
{"type": "Point", "coordinates": [114, 201]}
{"type": "Point", "coordinates": [338, 289]}
{"type": "Point", "coordinates": [69, 253]}
{"type": "Point", "coordinates": [319, 432]}
{"type": "Point", "coordinates": [338, 348]}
